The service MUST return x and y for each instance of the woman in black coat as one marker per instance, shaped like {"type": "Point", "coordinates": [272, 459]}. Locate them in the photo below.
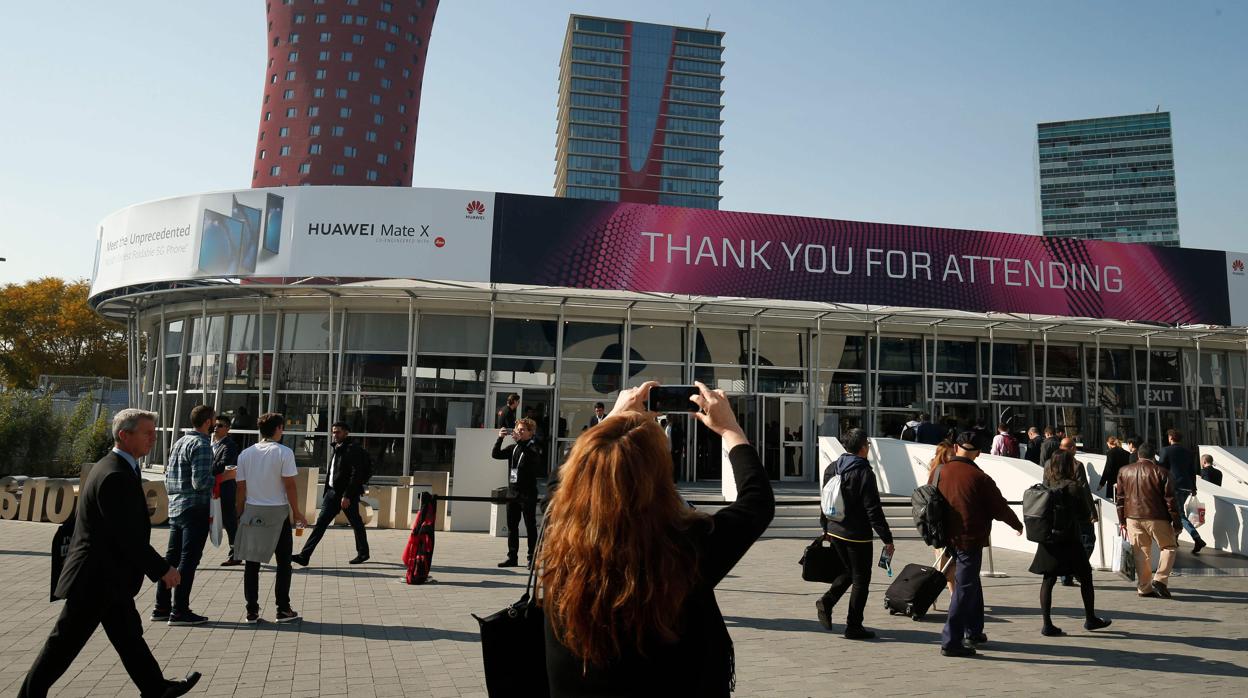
{"type": "Point", "coordinates": [1066, 556]}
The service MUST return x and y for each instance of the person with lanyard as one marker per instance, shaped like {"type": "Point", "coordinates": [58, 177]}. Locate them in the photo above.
{"type": "Point", "coordinates": [523, 461]}
{"type": "Point", "coordinates": [851, 536]}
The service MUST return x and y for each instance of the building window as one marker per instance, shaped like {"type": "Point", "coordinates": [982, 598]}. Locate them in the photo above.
{"type": "Point", "coordinates": [291, 112]}
{"type": "Point", "coordinates": [325, 36]}
{"type": "Point", "coordinates": [285, 150]}
{"type": "Point", "coordinates": [290, 75]}
{"type": "Point", "coordinates": [379, 63]}
{"type": "Point", "coordinates": [318, 92]}
{"type": "Point", "coordinates": [267, 115]}
{"type": "Point", "coordinates": [390, 47]}
{"type": "Point", "coordinates": [346, 56]}
{"type": "Point", "coordinates": [322, 56]}
{"type": "Point", "coordinates": [345, 112]}
{"type": "Point", "coordinates": [338, 170]}
{"type": "Point", "coordinates": [300, 18]}
{"type": "Point", "coordinates": [292, 56]}
{"type": "Point", "coordinates": [320, 74]}
{"type": "Point", "coordinates": [314, 111]}
{"type": "Point", "coordinates": [288, 94]}
{"type": "Point", "coordinates": [294, 39]}
{"type": "Point", "coordinates": [275, 170]}
{"type": "Point", "coordinates": [398, 145]}
{"type": "Point", "coordinates": [273, 79]}
{"type": "Point", "coordinates": [385, 83]}
{"type": "Point", "coordinates": [348, 19]}
{"type": "Point", "coordinates": [378, 119]}
{"type": "Point", "coordinates": [402, 108]}
{"type": "Point", "coordinates": [353, 76]}
{"type": "Point", "coordinates": [371, 175]}
{"type": "Point", "coordinates": [341, 93]}
{"type": "Point", "coordinates": [314, 149]}
{"type": "Point", "coordinates": [314, 130]}
{"type": "Point", "coordinates": [357, 39]}
{"type": "Point", "coordinates": [374, 99]}
{"type": "Point", "coordinates": [386, 7]}
{"type": "Point", "coordinates": [320, 18]}
{"type": "Point", "coordinates": [382, 158]}
{"type": "Point", "coordinates": [349, 151]}
{"type": "Point", "coordinates": [336, 131]}
{"type": "Point", "coordinates": [370, 136]}
{"type": "Point", "coordinates": [407, 73]}
{"type": "Point", "coordinates": [262, 154]}
{"type": "Point", "coordinates": [283, 131]}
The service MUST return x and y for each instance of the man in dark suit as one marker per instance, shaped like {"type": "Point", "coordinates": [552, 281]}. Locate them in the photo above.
{"type": "Point", "coordinates": [1115, 457]}
{"type": "Point", "coordinates": [349, 470]}
{"type": "Point", "coordinates": [600, 413]}
{"type": "Point", "coordinates": [1049, 446]}
{"type": "Point", "coordinates": [109, 555]}
{"type": "Point", "coordinates": [1034, 440]}
{"type": "Point", "coordinates": [523, 463]}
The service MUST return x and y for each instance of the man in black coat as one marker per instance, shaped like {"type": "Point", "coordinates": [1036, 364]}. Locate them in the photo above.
{"type": "Point", "coordinates": [1209, 472]}
{"type": "Point", "coordinates": [1181, 463]}
{"type": "Point", "coordinates": [349, 470]}
{"type": "Point", "coordinates": [1034, 440]}
{"type": "Point", "coordinates": [524, 461]}
{"type": "Point", "coordinates": [1115, 457]}
{"type": "Point", "coordinates": [109, 555]}
{"type": "Point", "coordinates": [224, 463]}
{"type": "Point", "coordinates": [1049, 446]}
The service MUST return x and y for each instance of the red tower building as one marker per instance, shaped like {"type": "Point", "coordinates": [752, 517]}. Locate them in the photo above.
{"type": "Point", "coordinates": [342, 91]}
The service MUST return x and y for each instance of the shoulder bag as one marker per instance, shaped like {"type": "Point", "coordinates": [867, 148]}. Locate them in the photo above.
{"type": "Point", "coordinates": [513, 642]}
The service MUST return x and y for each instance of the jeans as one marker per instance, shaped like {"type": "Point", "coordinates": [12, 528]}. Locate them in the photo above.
{"type": "Point", "coordinates": [966, 609]}
{"type": "Point", "coordinates": [525, 505]}
{"type": "Point", "coordinates": [1180, 501]}
{"type": "Point", "coordinates": [229, 517]}
{"type": "Point", "coordinates": [330, 506]}
{"type": "Point", "coordinates": [187, 535]}
{"type": "Point", "coordinates": [281, 590]}
{"type": "Point", "coordinates": [856, 570]}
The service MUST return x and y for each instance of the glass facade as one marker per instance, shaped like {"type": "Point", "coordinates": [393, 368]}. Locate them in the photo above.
{"type": "Point", "coordinates": [1108, 179]}
{"type": "Point", "coordinates": [404, 380]}
{"type": "Point", "coordinates": [671, 78]}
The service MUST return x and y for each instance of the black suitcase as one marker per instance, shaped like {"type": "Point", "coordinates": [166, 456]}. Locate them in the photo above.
{"type": "Point", "coordinates": [914, 591]}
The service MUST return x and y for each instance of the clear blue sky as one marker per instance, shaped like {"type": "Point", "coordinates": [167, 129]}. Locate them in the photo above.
{"type": "Point", "coordinates": [918, 112]}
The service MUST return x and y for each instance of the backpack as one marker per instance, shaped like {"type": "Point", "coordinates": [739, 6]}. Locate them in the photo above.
{"type": "Point", "coordinates": [910, 433]}
{"type": "Point", "coordinates": [1011, 446]}
{"type": "Point", "coordinates": [929, 509]}
{"type": "Point", "coordinates": [832, 499]}
{"type": "Point", "coordinates": [1046, 514]}
{"type": "Point", "coordinates": [418, 555]}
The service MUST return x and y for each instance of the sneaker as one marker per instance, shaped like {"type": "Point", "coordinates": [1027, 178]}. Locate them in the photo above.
{"type": "Point", "coordinates": [1200, 545]}
{"type": "Point", "coordinates": [231, 563]}
{"type": "Point", "coordinates": [1161, 590]}
{"type": "Point", "coordinates": [178, 620]}
{"type": "Point", "coordinates": [253, 617]}
{"type": "Point", "coordinates": [824, 614]}
{"type": "Point", "coordinates": [287, 616]}
{"type": "Point", "coordinates": [977, 639]}
{"type": "Point", "coordinates": [1052, 631]}
{"type": "Point", "coordinates": [1097, 624]}
{"type": "Point", "coordinates": [957, 651]}
{"type": "Point", "coordinates": [357, 560]}
{"type": "Point", "coordinates": [858, 633]}
{"type": "Point", "coordinates": [159, 615]}
{"type": "Point", "coordinates": [509, 562]}
{"type": "Point", "coordinates": [300, 558]}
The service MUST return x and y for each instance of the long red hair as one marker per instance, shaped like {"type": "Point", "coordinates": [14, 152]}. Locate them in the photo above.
{"type": "Point", "coordinates": [613, 570]}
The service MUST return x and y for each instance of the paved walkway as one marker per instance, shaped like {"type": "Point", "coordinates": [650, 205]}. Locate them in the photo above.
{"type": "Point", "coordinates": [365, 632]}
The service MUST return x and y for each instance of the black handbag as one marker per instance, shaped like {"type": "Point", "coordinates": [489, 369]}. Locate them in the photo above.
{"type": "Point", "coordinates": [820, 563]}
{"type": "Point", "coordinates": [513, 642]}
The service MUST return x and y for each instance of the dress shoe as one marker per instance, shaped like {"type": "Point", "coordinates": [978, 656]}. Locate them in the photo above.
{"type": "Point", "coordinates": [957, 651]}
{"type": "Point", "coordinates": [977, 639]}
{"type": "Point", "coordinates": [1161, 590]}
{"type": "Point", "coordinates": [824, 614]}
{"type": "Point", "coordinates": [183, 687]}
{"type": "Point", "coordinates": [858, 633]}
{"type": "Point", "coordinates": [300, 559]}
{"type": "Point", "coordinates": [1200, 545]}
{"type": "Point", "coordinates": [231, 563]}
{"type": "Point", "coordinates": [1052, 631]}
{"type": "Point", "coordinates": [358, 560]}
{"type": "Point", "coordinates": [1097, 623]}
{"type": "Point", "coordinates": [509, 562]}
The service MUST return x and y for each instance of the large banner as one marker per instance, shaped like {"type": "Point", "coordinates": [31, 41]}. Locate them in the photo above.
{"type": "Point", "coordinates": [639, 247]}
{"type": "Point", "coordinates": [449, 235]}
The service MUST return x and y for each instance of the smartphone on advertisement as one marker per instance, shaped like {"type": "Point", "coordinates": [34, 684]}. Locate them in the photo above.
{"type": "Point", "coordinates": [219, 242]}
{"type": "Point", "coordinates": [251, 235]}
{"type": "Point", "coordinates": [672, 398]}
{"type": "Point", "coordinates": [272, 223]}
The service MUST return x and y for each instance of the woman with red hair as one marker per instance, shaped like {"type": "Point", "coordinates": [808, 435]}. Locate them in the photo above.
{"type": "Point", "coordinates": [628, 571]}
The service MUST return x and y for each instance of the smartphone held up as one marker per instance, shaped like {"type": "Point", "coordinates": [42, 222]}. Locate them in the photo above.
{"type": "Point", "coordinates": [672, 398]}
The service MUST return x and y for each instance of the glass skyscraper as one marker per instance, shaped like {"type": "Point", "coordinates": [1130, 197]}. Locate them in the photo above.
{"type": "Point", "coordinates": [639, 113]}
{"type": "Point", "coordinates": [1108, 179]}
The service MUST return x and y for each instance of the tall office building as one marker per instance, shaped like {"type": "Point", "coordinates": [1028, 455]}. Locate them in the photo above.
{"type": "Point", "coordinates": [1108, 179]}
{"type": "Point", "coordinates": [639, 113]}
{"type": "Point", "coordinates": [341, 91]}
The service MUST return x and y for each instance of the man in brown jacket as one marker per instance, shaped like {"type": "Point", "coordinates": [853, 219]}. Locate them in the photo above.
{"type": "Point", "coordinates": [974, 502]}
{"type": "Point", "coordinates": [1147, 512]}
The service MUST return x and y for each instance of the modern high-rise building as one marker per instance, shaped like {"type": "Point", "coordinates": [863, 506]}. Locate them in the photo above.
{"type": "Point", "coordinates": [639, 113]}
{"type": "Point", "coordinates": [342, 91]}
{"type": "Point", "coordinates": [1108, 179]}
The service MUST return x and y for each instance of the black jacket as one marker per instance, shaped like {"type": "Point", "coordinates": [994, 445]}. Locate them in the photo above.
{"type": "Point", "coordinates": [862, 501]}
{"type": "Point", "coordinates": [224, 453]}
{"type": "Point", "coordinates": [1033, 449]}
{"type": "Point", "coordinates": [928, 433]}
{"type": "Point", "coordinates": [1181, 463]}
{"type": "Point", "coordinates": [700, 662]}
{"type": "Point", "coordinates": [350, 468]}
{"type": "Point", "coordinates": [1047, 448]}
{"type": "Point", "coordinates": [525, 458]}
{"type": "Point", "coordinates": [110, 551]}
{"type": "Point", "coordinates": [1211, 474]}
{"type": "Point", "coordinates": [1115, 458]}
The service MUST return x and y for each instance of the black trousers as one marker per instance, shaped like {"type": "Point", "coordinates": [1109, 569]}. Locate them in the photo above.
{"type": "Point", "coordinates": [281, 590]}
{"type": "Point", "coordinates": [228, 514]}
{"type": "Point", "coordinates": [526, 506]}
{"type": "Point", "coordinates": [75, 625]}
{"type": "Point", "coordinates": [330, 506]}
{"type": "Point", "coordinates": [856, 559]}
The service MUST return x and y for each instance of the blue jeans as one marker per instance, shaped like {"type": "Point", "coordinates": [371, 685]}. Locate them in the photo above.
{"type": "Point", "coordinates": [187, 535]}
{"type": "Point", "coordinates": [1180, 501]}
{"type": "Point", "coordinates": [966, 609]}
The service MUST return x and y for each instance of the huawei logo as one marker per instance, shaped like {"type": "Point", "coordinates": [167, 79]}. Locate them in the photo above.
{"type": "Point", "coordinates": [1238, 266]}
{"type": "Point", "coordinates": [476, 209]}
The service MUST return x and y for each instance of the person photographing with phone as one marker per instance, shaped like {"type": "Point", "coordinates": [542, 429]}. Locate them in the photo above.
{"type": "Point", "coordinates": [524, 460]}
{"type": "Point", "coordinates": [627, 571]}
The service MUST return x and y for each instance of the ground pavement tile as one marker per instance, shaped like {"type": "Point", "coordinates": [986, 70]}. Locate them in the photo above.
{"type": "Point", "coordinates": [365, 633]}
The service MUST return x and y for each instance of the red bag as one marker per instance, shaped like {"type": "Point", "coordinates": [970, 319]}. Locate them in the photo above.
{"type": "Point", "coordinates": [418, 555]}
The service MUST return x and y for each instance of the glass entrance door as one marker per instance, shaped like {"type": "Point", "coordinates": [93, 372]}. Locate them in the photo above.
{"type": "Point", "coordinates": [792, 438]}
{"type": "Point", "coordinates": [534, 403]}
{"type": "Point", "coordinates": [1067, 420]}
{"type": "Point", "coordinates": [707, 458]}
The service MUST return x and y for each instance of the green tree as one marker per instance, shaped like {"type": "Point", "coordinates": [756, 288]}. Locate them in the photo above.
{"type": "Point", "coordinates": [47, 327]}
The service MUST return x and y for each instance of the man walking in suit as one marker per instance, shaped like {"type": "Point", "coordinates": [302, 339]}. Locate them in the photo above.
{"type": "Point", "coordinates": [349, 470]}
{"type": "Point", "coordinates": [189, 481]}
{"type": "Point", "coordinates": [225, 466]}
{"type": "Point", "coordinates": [109, 555]}
{"type": "Point", "coordinates": [523, 461]}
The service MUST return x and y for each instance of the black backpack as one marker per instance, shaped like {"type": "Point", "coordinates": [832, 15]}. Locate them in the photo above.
{"type": "Point", "coordinates": [910, 433]}
{"type": "Point", "coordinates": [929, 509]}
{"type": "Point", "coordinates": [1046, 514]}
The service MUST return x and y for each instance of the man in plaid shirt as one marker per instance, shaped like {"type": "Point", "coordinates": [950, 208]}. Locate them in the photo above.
{"type": "Point", "coordinates": [189, 480]}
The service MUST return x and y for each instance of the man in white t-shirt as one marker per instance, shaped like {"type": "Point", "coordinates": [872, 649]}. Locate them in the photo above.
{"type": "Point", "coordinates": [266, 499]}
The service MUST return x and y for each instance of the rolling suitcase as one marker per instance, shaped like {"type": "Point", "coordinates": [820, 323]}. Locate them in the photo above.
{"type": "Point", "coordinates": [914, 591]}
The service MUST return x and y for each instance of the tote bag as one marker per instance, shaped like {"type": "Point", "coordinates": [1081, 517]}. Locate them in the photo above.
{"type": "Point", "coordinates": [513, 642]}
{"type": "Point", "coordinates": [820, 563]}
